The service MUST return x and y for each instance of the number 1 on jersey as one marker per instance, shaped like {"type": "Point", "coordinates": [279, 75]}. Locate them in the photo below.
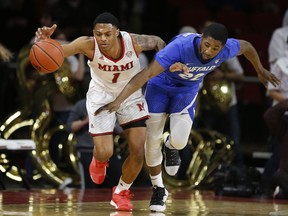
{"type": "Point", "coordinates": [115, 77]}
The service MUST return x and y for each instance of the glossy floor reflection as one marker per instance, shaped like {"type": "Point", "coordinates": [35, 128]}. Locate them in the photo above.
{"type": "Point", "coordinates": [95, 202]}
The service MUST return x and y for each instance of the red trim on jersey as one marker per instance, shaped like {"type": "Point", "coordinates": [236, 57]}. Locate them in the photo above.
{"type": "Point", "coordinates": [101, 134]}
{"type": "Point", "coordinates": [135, 120]}
{"type": "Point", "coordinates": [133, 45]}
{"type": "Point", "coordinates": [122, 54]}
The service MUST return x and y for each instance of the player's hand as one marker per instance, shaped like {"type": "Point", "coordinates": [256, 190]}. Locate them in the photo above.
{"type": "Point", "coordinates": [178, 66]}
{"type": "Point", "coordinates": [111, 107]}
{"type": "Point", "coordinates": [44, 32]}
{"type": "Point", "coordinates": [266, 76]}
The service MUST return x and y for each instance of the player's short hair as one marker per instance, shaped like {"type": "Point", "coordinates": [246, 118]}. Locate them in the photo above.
{"type": "Point", "coordinates": [106, 17]}
{"type": "Point", "coordinates": [217, 31]}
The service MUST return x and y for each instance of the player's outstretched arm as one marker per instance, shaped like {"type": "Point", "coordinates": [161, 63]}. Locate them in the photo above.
{"type": "Point", "coordinates": [248, 50]}
{"type": "Point", "coordinates": [84, 44]}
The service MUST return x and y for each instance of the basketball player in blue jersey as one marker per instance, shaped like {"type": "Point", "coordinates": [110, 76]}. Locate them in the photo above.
{"type": "Point", "coordinates": [174, 78]}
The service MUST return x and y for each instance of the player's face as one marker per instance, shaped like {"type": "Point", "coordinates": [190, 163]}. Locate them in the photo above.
{"type": "Point", "coordinates": [209, 48]}
{"type": "Point", "coordinates": [106, 35]}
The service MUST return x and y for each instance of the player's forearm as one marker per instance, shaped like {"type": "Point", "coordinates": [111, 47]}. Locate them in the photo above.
{"type": "Point", "coordinates": [255, 61]}
{"type": "Point", "coordinates": [135, 83]}
{"type": "Point", "coordinates": [139, 80]}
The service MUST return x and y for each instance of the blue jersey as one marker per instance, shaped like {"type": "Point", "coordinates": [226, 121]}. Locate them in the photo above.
{"type": "Point", "coordinates": [184, 48]}
{"type": "Point", "coordinates": [176, 92]}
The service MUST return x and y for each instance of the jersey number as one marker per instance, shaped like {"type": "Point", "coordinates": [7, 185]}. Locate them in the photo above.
{"type": "Point", "coordinates": [115, 77]}
{"type": "Point", "coordinates": [191, 76]}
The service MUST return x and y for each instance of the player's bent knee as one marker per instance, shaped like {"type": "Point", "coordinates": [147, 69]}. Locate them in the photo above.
{"type": "Point", "coordinates": [179, 142]}
{"type": "Point", "coordinates": [153, 157]}
{"type": "Point", "coordinates": [137, 156]}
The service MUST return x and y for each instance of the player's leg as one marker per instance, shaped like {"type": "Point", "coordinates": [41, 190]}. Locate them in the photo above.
{"type": "Point", "coordinates": [101, 128]}
{"type": "Point", "coordinates": [182, 111]}
{"type": "Point", "coordinates": [103, 150]}
{"type": "Point", "coordinates": [180, 128]}
{"type": "Point", "coordinates": [158, 102]}
{"type": "Point", "coordinates": [153, 155]}
{"type": "Point", "coordinates": [133, 164]}
{"type": "Point", "coordinates": [132, 116]}
{"type": "Point", "coordinates": [135, 134]}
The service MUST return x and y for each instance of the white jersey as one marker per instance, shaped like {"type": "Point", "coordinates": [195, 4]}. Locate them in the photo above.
{"type": "Point", "coordinates": [108, 78]}
{"type": "Point", "coordinates": [112, 75]}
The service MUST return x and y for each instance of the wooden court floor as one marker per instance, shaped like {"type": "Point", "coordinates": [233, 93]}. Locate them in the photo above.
{"type": "Point", "coordinates": [95, 202]}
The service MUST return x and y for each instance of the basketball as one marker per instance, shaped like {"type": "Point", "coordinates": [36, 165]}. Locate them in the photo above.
{"type": "Point", "coordinates": [46, 55]}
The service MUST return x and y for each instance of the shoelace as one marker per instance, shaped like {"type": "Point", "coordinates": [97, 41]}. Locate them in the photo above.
{"type": "Point", "coordinates": [173, 153]}
{"type": "Point", "coordinates": [158, 193]}
{"type": "Point", "coordinates": [126, 194]}
{"type": "Point", "coordinates": [106, 163]}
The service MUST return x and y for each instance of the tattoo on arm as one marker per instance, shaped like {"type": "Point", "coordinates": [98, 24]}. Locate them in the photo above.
{"type": "Point", "coordinates": [148, 42]}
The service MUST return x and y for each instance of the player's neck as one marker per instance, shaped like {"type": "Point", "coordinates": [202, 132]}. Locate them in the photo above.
{"type": "Point", "coordinates": [116, 51]}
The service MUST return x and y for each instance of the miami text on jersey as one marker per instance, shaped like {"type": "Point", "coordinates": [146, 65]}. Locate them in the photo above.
{"type": "Point", "coordinates": [113, 68]}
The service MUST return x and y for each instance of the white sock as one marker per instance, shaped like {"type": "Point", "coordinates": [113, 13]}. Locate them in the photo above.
{"type": "Point", "coordinates": [122, 186]}
{"type": "Point", "coordinates": [168, 145]}
{"type": "Point", "coordinates": [157, 180]}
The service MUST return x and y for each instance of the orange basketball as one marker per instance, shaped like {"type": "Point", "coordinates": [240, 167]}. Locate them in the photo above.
{"type": "Point", "coordinates": [46, 55]}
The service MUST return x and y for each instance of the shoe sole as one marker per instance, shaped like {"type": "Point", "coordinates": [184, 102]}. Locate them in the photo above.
{"type": "Point", "coordinates": [119, 208]}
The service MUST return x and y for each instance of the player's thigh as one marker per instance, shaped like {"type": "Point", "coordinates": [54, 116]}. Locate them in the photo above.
{"type": "Point", "coordinates": [104, 122]}
{"type": "Point", "coordinates": [157, 99]}
{"type": "Point", "coordinates": [183, 103]}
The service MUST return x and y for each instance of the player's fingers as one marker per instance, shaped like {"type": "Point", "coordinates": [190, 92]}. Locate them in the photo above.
{"type": "Point", "coordinates": [53, 27]}
{"type": "Point", "coordinates": [274, 80]}
{"type": "Point", "coordinates": [275, 83]}
{"type": "Point", "coordinates": [100, 110]}
{"type": "Point", "coordinates": [185, 68]}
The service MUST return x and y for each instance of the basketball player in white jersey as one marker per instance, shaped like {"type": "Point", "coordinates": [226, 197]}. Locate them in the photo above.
{"type": "Point", "coordinates": [113, 61]}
